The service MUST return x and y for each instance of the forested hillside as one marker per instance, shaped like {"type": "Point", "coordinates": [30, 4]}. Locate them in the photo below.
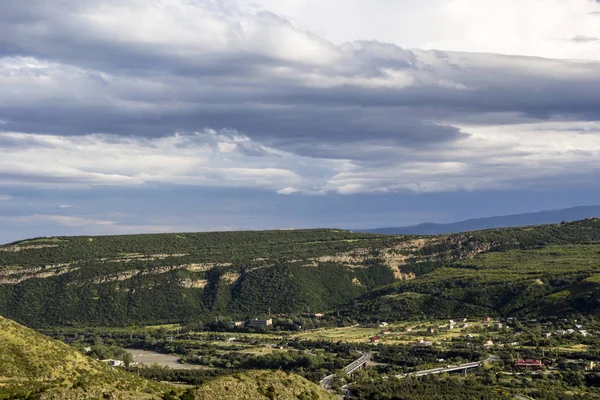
{"type": "Point", "coordinates": [554, 272]}
{"type": "Point", "coordinates": [145, 279]}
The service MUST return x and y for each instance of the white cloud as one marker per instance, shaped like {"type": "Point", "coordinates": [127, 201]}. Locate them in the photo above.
{"type": "Point", "coordinates": [305, 115]}
{"type": "Point", "coordinates": [488, 157]}
{"type": "Point", "coordinates": [5, 197]}
{"type": "Point", "coordinates": [207, 158]}
{"type": "Point", "coordinates": [287, 190]}
{"type": "Point", "coordinates": [521, 27]}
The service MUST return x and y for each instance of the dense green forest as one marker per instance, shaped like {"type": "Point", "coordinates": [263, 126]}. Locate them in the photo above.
{"type": "Point", "coordinates": [162, 278]}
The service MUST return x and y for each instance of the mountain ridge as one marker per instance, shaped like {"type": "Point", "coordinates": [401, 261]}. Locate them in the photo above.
{"type": "Point", "coordinates": [503, 221]}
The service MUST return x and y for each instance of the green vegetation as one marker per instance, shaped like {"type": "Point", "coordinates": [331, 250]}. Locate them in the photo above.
{"type": "Point", "coordinates": [31, 364]}
{"type": "Point", "coordinates": [545, 277]}
{"type": "Point", "coordinates": [262, 385]}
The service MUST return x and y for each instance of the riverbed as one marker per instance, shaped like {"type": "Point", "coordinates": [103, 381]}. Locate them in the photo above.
{"type": "Point", "coordinates": [164, 360]}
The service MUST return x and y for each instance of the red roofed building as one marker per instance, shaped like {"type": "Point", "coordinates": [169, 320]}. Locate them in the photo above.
{"type": "Point", "coordinates": [529, 363]}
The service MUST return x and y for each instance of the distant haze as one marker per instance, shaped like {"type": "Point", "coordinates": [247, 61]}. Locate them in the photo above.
{"type": "Point", "coordinates": [538, 218]}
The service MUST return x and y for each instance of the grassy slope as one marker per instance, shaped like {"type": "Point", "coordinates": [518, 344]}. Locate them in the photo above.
{"type": "Point", "coordinates": [552, 280]}
{"type": "Point", "coordinates": [259, 385]}
{"type": "Point", "coordinates": [30, 362]}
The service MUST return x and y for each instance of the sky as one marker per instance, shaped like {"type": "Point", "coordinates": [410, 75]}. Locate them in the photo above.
{"type": "Point", "coordinates": [131, 116]}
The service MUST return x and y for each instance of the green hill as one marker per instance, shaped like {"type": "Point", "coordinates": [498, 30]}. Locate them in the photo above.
{"type": "Point", "coordinates": [163, 278]}
{"type": "Point", "coordinates": [547, 280]}
{"type": "Point", "coordinates": [259, 385]}
{"type": "Point", "coordinates": [34, 365]}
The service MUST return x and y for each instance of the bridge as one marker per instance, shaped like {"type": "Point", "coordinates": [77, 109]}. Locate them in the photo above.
{"type": "Point", "coordinates": [349, 369]}
{"type": "Point", "coordinates": [441, 370]}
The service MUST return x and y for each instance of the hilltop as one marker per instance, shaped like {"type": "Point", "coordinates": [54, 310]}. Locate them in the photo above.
{"type": "Point", "coordinates": [163, 278]}
{"type": "Point", "coordinates": [257, 385]}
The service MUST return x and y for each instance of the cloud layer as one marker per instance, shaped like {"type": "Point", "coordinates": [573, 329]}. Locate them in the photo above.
{"type": "Point", "coordinates": [226, 94]}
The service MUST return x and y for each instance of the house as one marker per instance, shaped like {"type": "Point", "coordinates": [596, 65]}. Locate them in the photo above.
{"type": "Point", "coordinates": [87, 349]}
{"type": "Point", "coordinates": [451, 322]}
{"type": "Point", "coordinates": [463, 326]}
{"type": "Point", "coordinates": [529, 364]}
{"type": "Point", "coordinates": [547, 334]}
{"type": "Point", "coordinates": [464, 320]}
{"type": "Point", "coordinates": [385, 332]}
{"type": "Point", "coordinates": [408, 329]}
{"type": "Point", "coordinates": [578, 326]}
{"type": "Point", "coordinates": [489, 343]}
{"type": "Point", "coordinates": [500, 325]}
{"type": "Point", "coordinates": [488, 319]}
{"type": "Point", "coordinates": [570, 331]}
{"type": "Point", "coordinates": [451, 326]}
{"type": "Point", "coordinates": [583, 365]}
{"type": "Point", "coordinates": [383, 324]}
{"type": "Point", "coordinates": [560, 332]}
{"type": "Point", "coordinates": [374, 340]}
{"type": "Point", "coordinates": [424, 343]}
{"type": "Point", "coordinates": [114, 363]}
{"type": "Point", "coordinates": [318, 315]}
{"type": "Point", "coordinates": [431, 330]}
{"type": "Point", "coordinates": [583, 333]}
{"type": "Point", "coordinates": [235, 324]}
{"type": "Point", "coordinates": [261, 323]}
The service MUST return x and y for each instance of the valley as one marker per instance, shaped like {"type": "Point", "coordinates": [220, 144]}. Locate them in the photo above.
{"type": "Point", "coordinates": [187, 311]}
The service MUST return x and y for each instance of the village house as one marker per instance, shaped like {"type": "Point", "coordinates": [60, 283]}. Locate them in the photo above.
{"type": "Point", "coordinates": [489, 343]}
{"type": "Point", "coordinates": [235, 324]}
{"type": "Point", "coordinates": [383, 324]}
{"type": "Point", "coordinates": [385, 332]}
{"type": "Point", "coordinates": [547, 334]}
{"type": "Point", "coordinates": [583, 365]}
{"type": "Point", "coordinates": [261, 323]}
{"type": "Point", "coordinates": [374, 340]}
{"type": "Point", "coordinates": [529, 364]}
{"type": "Point", "coordinates": [431, 330]}
{"type": "Point", "coordinates": [114, 363]}
{"type": "Point", "coordinates": [408, 329]}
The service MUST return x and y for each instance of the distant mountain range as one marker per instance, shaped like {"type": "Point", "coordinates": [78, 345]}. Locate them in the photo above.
{"type": "Point", "coordinates": [537, 218]}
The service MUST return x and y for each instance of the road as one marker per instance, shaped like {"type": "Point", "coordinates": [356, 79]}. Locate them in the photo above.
{"type": "Point", "coordinates": [327, 382]}
{"type": "Point", "coordinates": [448, 368]}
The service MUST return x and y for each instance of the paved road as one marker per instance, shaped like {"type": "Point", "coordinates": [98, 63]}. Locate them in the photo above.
{"type": "Point", "coordinates": [327, 382]}
{"type": "Point", "coordinates": [448, 368]}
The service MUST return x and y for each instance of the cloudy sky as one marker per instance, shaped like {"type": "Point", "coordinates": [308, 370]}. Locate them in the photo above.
{"type": "Point", "coordinates": [125, 116]}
